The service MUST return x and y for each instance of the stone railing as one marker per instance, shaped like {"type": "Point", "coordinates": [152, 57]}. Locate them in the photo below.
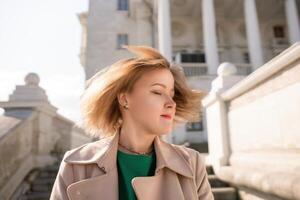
{"type": "Point", "coordinates": [15, 152]}
{"type": "Point", "coordinates": [31, 134]}
{"type": "Point", "coordinates": [254, 127]}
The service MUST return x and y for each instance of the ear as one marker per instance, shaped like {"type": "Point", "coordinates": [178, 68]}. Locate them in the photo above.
{"type": "Point", "coordinates": [122, 99]}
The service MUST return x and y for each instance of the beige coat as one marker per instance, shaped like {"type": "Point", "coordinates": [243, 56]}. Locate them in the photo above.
{"type": "Point", "coordinates": [89, 172]}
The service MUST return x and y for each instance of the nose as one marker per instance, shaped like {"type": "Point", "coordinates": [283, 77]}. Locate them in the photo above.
{"type": "Point", "coordinates": [170, 102]}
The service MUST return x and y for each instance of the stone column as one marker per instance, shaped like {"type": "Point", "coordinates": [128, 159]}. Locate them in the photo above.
{"type": "Point", "coordinates": [210, 36]}
{"type": "Point", "coordinates": [165, 39]}
{"type": "Point", "coordinates": [292, 21]}
{"type": "Point", "coordinates": [164, 29]}
{"type": "Point", "coordinates": [216, 109]}
{"type": "Point", "coordinates": [253, 34]}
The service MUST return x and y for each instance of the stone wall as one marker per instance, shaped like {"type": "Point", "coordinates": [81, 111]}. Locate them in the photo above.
{"type": "Point", "coordinates": [253, 130]}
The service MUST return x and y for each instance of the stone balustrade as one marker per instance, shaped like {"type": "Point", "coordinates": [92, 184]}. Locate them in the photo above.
{"type": "Point", "coordinates": [254, 130]}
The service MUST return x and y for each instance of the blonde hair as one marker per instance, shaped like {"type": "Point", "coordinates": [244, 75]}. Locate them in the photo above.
{"type": "Point", "coordinates": [99, 103]}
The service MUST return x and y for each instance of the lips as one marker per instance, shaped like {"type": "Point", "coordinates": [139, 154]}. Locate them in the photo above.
{"type": "Point", "coordinates": [167, 116]}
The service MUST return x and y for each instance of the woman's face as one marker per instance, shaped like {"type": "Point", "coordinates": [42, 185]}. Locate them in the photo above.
{"type": "Point", "coordinates": [151, 105]}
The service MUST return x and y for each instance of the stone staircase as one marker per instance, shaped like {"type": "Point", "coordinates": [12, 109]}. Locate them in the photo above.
{"type": "Point", "coordinates": [38, 183]}
{"type": "Point", "coordinates": [221, 190]}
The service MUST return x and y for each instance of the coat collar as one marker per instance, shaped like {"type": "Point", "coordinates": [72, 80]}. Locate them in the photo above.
{"type": "Point", "coordinates": [104, 153]}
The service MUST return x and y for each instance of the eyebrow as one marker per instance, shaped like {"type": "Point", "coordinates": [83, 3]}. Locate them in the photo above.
{"type": "Point", "coordinates": [162, 85]}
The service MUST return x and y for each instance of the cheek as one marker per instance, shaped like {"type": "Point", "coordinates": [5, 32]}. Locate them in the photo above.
{"type": "Point", "coordinates": [148, 106]}
{"type": "Point", "coordinates": [147, 111]}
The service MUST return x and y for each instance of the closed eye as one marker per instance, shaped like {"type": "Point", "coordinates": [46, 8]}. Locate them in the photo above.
{"type": "Point", "coordinates": [161, 94]}
{"type": "Point", "coordinates": [156, 93]}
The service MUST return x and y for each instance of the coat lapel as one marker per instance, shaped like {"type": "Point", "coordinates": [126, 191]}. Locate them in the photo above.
{"type": "Point", "coordinates": [163, 185]}
{"type": "Point", "coordinates": [105, 186]}
{"type": "Point", "coordinates": [97, 188]}
{"type": "Point", "coordinates": [157, 187]}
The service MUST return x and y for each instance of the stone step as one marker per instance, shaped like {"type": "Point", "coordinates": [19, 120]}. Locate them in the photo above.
{"type": "Point", "coordinates": [228, 193]}
{"type": "Point", "coordinates": [51, 168]}
{"type": "Point", "coordinates": [41, 188]}
{"type": "Point", "coordinates": [36, 196]}
{"type": "Point", "coordinates": [46, 174]}
{"type": "Point", "coordinates": [201, 147]}
{"type": "Point", "coordinates": [40, 183]}
{"type": "Point", "coordinates": [44, 181]}
{"type": "Point", "coordinates": [215, 182]}
{"type": "Point", "coordinates": [209, 170]}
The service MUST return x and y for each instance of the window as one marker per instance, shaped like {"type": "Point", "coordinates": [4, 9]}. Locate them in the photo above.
{"type": "Point", "coordinates": [122, 40]}
{"type": "Point", "coordinates": [192, 58]}
{"type": "Point", "coordinates": [123, 5]}
{"type": "Point", "coordinates": [173, 58]}
{"type": "Point", "coordinates": [278, 32]}
{"type": "Point", "coordinates": [246, 57]}
{"type": "Point", "coordinates": [194, 126]}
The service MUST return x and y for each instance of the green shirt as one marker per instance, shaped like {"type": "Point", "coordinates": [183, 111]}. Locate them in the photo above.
{"type": "Point", "coordinates": [130, 166]}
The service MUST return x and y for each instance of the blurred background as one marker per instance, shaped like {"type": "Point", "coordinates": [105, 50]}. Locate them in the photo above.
{"type": "Point", "coordinates": [245, 54]}
{"type": "Point", "coordinates": [43, 37]}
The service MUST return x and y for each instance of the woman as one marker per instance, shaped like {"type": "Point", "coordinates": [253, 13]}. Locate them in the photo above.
{"type": "Point", "coordinates": [129, 106]}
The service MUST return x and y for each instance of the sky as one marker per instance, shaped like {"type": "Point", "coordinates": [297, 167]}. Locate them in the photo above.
{"type": "Point", "coordinates": [43, 37]}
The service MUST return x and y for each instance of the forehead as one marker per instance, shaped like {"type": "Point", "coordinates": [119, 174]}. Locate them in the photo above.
{"type": "Point", "coordinates": [162, 76]}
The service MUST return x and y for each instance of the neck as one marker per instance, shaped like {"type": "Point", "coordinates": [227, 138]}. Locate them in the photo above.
{"type": "Point", "coordinates": [136, 140]}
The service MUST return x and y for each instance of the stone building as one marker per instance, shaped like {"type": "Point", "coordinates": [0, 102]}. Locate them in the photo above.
{"type": "Point", "coordinates": [197, 34]}
{"type": "Point", "coordinates": [235, 51]}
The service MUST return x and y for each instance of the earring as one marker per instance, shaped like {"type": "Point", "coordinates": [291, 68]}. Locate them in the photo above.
{"type": "Point", "coordinates": [126, 106]}
{"type": "Point", "coordinates": [120, 121]}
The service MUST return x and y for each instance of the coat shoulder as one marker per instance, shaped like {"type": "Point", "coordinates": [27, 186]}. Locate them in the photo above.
{"type": "Point", "coordinates": [195, 158]}
{"type": "Point", "coordinates": [185, 151]}
{"type": "Point", "coordinates": [197, 162]}
{"type": "Point", "coordinates": [88, 152]}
